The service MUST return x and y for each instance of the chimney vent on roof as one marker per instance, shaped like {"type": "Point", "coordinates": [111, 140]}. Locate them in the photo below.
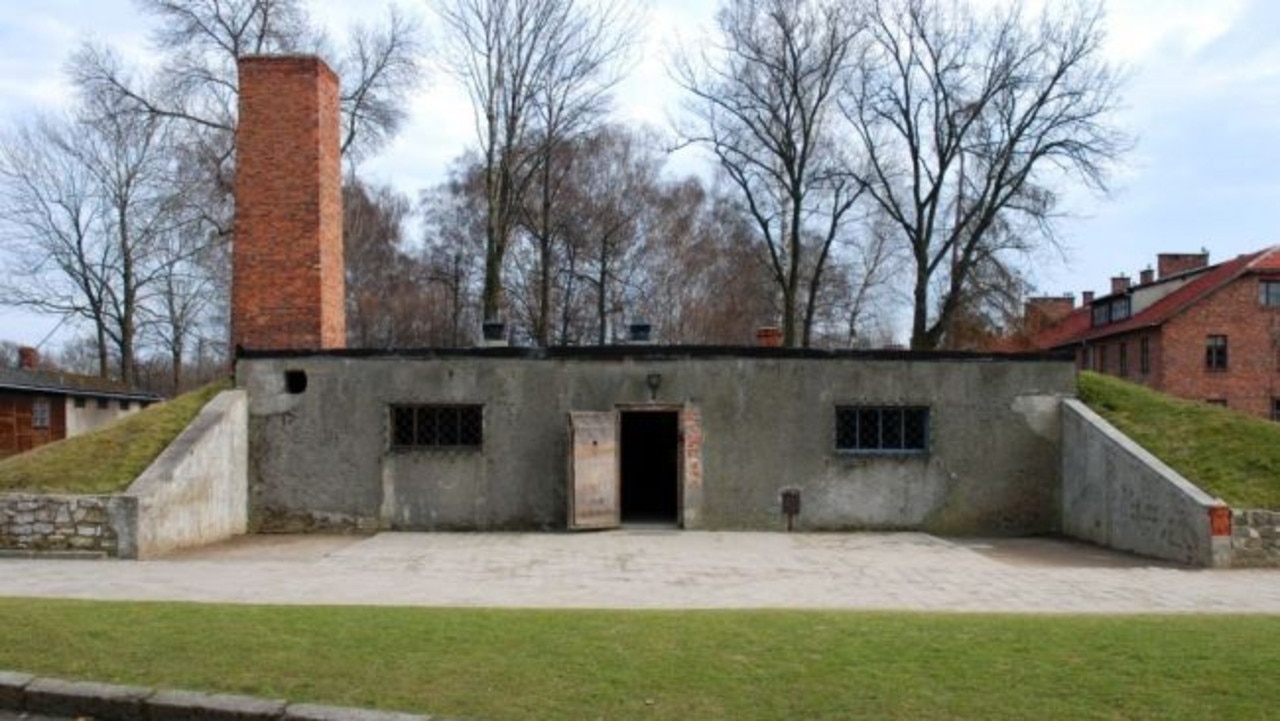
{"type": "Point", "coordinates": [28, 358]}
{"type": "Point", "coordinates": [1041, 312]}
{"type": "Point", "coordinates": [1168, 264]}
{"type": "Point", "coordinates": [1086, 297]}
{"type": "Point", "coordinates": [1119, 284]}
{"type": "Point", "coordinates": [1146, 276]}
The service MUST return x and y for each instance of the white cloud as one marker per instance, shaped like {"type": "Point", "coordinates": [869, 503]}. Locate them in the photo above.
{"type": "Point", "coordinates": [1143, 30]}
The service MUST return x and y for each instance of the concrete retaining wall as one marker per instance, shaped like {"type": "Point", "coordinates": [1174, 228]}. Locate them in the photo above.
{"type": "Point", "coordinates": [1116, 494]}
{"type": "Point", "coordinates": [196, 492]}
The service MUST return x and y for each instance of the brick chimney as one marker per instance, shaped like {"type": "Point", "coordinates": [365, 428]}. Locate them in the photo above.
{"type": "Point", "coordinates": [1147, 276]}
{"type": "Point", "coordinates": [1119, 284]}
{"type": "Point", "coordinates": [1042, 312]}
{"type": "Point", "coordinates": [28, 358]}
{"type": "Point", "coordinates": [288, 285]}
{"type": "Point", "coordinates": [1086, 297]}
{"type": "Point", "coordinates": [1168, 264]}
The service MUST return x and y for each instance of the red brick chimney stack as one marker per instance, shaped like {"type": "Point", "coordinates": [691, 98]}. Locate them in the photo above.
{"type": "Point", "coordinates": [1168, 264]}
{"type": "Point", "coordinates": [1086, 297]}
{"type": "Point", "coordinates": [28, 358]}
{"type": "Point", "coordinates": [1119, 284]}
{"type": "Point", "coordinates": [1041, 312]}
{"type": "Point", "coordinates": [1147, 276]}
{"type": "Point", "coordinates": [288, 286]}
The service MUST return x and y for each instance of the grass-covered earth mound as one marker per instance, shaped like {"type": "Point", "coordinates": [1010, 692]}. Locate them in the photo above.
{"type": "Point", "coordinates": [108, 459]}
{"type": "Point", "coordinates": [1227, 453]}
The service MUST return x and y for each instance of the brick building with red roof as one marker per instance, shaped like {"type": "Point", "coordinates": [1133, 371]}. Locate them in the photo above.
{"type": "Point", "coordinates": [1200, 331]}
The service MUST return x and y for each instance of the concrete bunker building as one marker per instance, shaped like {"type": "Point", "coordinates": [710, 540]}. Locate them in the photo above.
{"type": "Point", "coordinates": [516, 438]}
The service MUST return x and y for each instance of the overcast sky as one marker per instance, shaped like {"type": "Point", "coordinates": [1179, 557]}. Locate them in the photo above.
{"type": "Point", "coordinates": [1203, 101]}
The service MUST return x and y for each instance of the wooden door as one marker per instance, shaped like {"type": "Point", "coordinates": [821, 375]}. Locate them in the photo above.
{"type": "Point", "coordinates": [594, 490]}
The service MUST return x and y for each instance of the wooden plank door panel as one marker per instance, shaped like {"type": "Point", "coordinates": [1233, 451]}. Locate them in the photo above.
{"type": "Point", "coordinates": [594, 487]}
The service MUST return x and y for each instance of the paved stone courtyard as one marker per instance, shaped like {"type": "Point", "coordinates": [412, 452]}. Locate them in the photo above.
{"type": "Point", "coordinates": [660, 568]}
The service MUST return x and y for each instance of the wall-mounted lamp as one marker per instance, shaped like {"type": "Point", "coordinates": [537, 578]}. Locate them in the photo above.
{"type": "Point", "coordinates": [654, 381]}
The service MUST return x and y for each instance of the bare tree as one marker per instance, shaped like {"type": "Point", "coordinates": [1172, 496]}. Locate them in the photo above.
{"type": "Point", "coordinates": [706, 280]}
{"type": "Point", "coordinates": [196, 88]}
{"type": "Point", "coordinates": [764, 99]}
{"type": "Point", "coordinates": [454, 221]}
{"type": "Point", "coordinates": [395, 296]}
{"type": "Point", "coordinates": [612, 184]}
{"type": "Point", "coordinates": [968, 123]}
{"type": "Point", "coordinates": [47, 201]}
{"type": "Point", "coordinates": [91, 201]}
{"type": "Point", "coordinates": [535, 71]}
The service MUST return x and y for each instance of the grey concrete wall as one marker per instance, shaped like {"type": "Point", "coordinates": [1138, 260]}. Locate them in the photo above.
{"type": "Point", "coordinates": [321, 458]}
{"type": "Point", "coordinates": [1116, 494]}
{"type": "Point", "coordinates": [196, 491]}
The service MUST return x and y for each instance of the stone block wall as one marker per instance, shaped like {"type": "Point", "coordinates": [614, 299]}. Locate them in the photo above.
{"type": "Point", "coordinates": [1255, 538]}
{"type": "Point", "coordinates": [31, 522]}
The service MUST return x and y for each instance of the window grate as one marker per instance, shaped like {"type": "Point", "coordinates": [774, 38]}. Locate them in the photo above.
{"type": "Point", "coordinates": [882, 429]}
{"type": "Point", "coordinates": [437, 426]}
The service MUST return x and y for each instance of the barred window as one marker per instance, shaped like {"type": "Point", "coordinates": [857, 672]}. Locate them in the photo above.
{"type": "Point", "coordinates": [437, 426]}
{"type": "Point", "coordinates": [882, 429]}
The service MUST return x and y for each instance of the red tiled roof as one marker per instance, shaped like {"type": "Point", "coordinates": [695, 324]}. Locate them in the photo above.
{"type": "Point", "coordinates": [1078, 327]}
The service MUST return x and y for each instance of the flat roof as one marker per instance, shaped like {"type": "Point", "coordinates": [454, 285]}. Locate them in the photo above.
{"type": "Point", "coordinates": [652, 352]}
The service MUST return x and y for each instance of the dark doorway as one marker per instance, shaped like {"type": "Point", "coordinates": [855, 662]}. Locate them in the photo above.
{"type": "Point", "coordinates": [650, 474]}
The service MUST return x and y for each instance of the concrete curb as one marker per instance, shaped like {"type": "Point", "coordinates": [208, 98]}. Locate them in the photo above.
{"type": "Point", "coordinates": [110, 702]}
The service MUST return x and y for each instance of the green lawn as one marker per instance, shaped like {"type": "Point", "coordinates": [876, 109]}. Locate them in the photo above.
{"type": "Point", "coordinates": [705, 665]}
{"type": "Point", "coordinates": [109, 459]}
{"type": "Point", "coordinates": [1229, 454]}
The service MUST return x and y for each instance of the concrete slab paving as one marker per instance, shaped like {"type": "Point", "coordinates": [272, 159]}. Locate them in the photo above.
{"type": "Point", "coordinates": [660, 568]}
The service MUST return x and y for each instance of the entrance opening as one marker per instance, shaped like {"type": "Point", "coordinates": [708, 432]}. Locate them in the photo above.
{"type": "Point", "coordinates": [650, 474]}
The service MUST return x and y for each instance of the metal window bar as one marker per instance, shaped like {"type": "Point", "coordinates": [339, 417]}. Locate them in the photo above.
{"type": "Point", "coordinates": [890, 429]}
{"type": "Point", "coordinates": [437, 426]}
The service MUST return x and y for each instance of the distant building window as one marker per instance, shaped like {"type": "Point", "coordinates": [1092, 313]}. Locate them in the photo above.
{"type": "Point", "coordinates": [1216, 402]}
{"type": "Point", "coordinates": [102, 404]}
{"type": "Point", "coordinates": [124, 404]}
{"type": "Point", "coordinates": [1124, 360]}
{"type": "Point", "coordinates": [79, 400]}
{"type": "Point", "coordinates": [40, 413]}
{"type": "Point", "coordinates": [1112, 311]}
{"type": "Point", "coordinates": [1119, 309]}
{"type": "Point", "coordinates": [882, 429]}
{"type": "Point", "coordinates": [1101, 314]}
{"type": "Point", "coordinates": [1100, 358]}
{"type": "Point", "coordinates": [1215, 353]}
{"type": "Point", "coordinates": [1144, 355]}
{"type": "Point", "coordinates": [1270, 295]}
{"type": "Point", "coordinates": [437, 426]}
